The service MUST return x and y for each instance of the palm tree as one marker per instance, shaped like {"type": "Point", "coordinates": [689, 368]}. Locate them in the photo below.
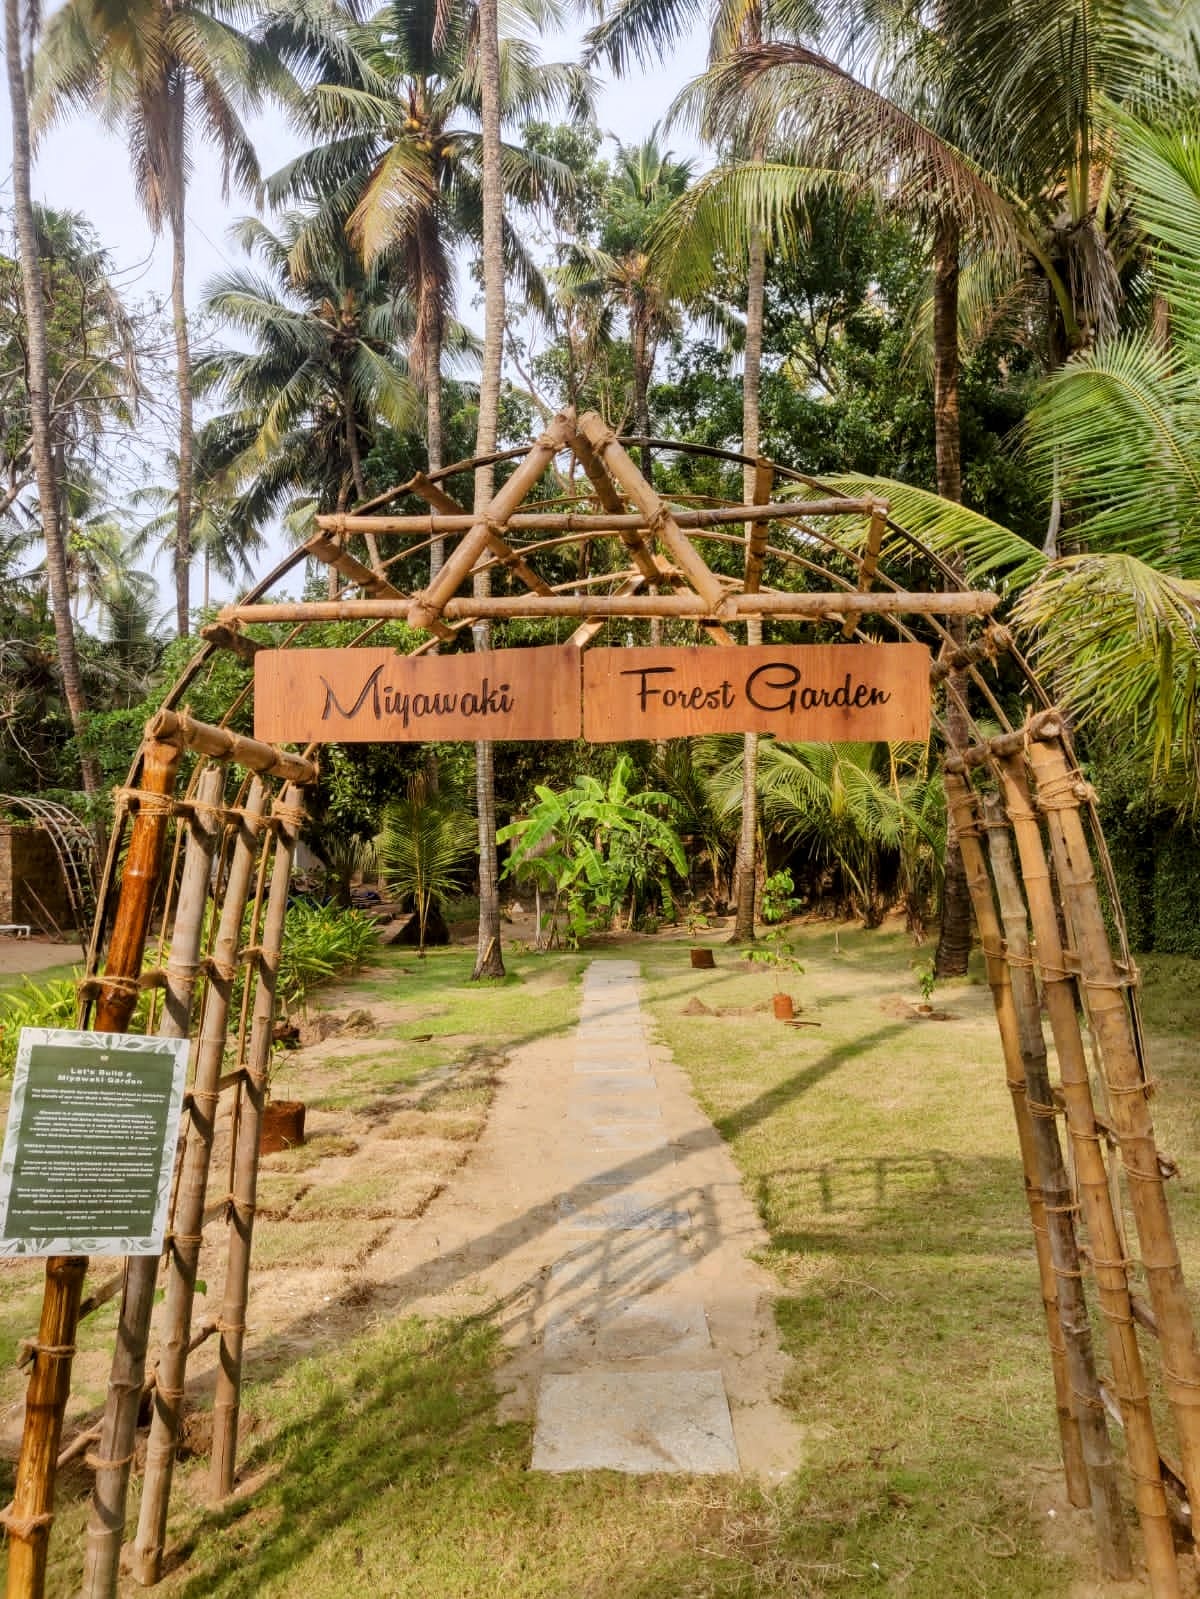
{"type": "Point", "coordinates": [1004, 145]}
{"type": "Point", "coordinates": [323, 372]}
{"type": "Point", "coordinates": [399, 166]}
{"type": "Point", "coordinates": [636, 29]}
{"type": "Point", "coordinates": [165, 72]}
{"type": "Point", "coordinates": [1116, 622]}
{"type": "Point", "coordinates": [38, 383]}
{"type": "Point", "coordinates": [620, 272]}
{"type": "Point", "coordinates": [225, 540]}
{"type": "Point", "coordinates": [489, 960]}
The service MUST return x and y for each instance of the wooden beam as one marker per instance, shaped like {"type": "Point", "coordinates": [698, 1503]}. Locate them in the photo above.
{"type": "Point", "coordinates": [428, 605]}
{"type": "Point", "coordinates": [224, 745]}
{"type": "Point", "coordinates": [619, 522]}
{"type": "Point", "coordinates": [728, 607]}
{"type": "Point", "coordinates": [866, 571]}
{"type": "Point", "coordinates": [658, 515]}
{"type": "Point", "coordinates": [228, 638]}
{"type": "Point", "coordinates": [606, 492]}
{"type": "Point", "coordinates": [756, 532]}
{"type": "Point", "coordinates": [587, 631]}
{"type": "Point", "coordinates": [353, 570]}
{"type": "Point", "coordinates": [500, 548]}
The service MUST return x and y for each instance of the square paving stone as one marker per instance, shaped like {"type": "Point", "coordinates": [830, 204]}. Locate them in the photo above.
{"type": "Point", "coordinates": [609, 1084]}
{"type": "Point", "coordinates": [628, 1329]}
{"type": "Point", "coordinates": [626, 1138]}
{"type": "Point", "coordinates": [621, 1211]}
{"type": "Point", "coordinates": [613, 1112]}
{"type": "Point", "coordinates": [634, 1421]}
{"type": "Point", "coordinates": [627, 1061]}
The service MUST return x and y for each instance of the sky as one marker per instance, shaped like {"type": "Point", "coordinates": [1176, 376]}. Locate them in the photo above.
{"type": "Point", "coordinates": [81, 168]}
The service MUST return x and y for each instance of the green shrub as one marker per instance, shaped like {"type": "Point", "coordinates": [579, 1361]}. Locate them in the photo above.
{"type": "Point", "coordinates": [320, 942]}
{"type": "Point", "coordinates": [50, 1004]}
{"type": "Point", "coordinates": [1176, 894]}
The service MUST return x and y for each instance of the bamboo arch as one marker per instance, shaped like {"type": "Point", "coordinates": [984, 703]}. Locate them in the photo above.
{"type": "Point", "coordinates": [209, 856]}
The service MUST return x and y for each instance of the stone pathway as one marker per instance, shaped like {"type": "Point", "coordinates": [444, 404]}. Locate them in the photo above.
{"type": "Point", "coordinates": [603, 1217]}
{"type": "Point", "coordinates": [620, 1291]}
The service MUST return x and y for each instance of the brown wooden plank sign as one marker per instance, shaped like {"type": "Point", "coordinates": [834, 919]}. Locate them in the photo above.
{"type": "Point", "coordinates": [349, 696]}
{"type": "Point", "coordinates": [802, 692]}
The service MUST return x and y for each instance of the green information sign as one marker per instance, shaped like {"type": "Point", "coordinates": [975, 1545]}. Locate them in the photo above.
{"type": "Point", "coordinates": [90, 1143]}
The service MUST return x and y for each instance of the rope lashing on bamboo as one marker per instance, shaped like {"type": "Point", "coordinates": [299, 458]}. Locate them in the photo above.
{"type": "Point", "coordinates": [292, 817]}
{"type": "Point", "coordinates": [145, 800]}
{"type": "Point", "coordinates": [229, 1326]}
{"type": "Point", "coordinates": [1182, 1382]}
{"type": "Point", "coordinates": [1039, 1107]}
{"type": "Point", "coordinates": [224, 970]}
{"type": "Point", "coordinates": [98, 1462]}
{"type": "Point", "coordinates": [1065, 793]}
{"type": "Point", "coordinates": [29, 1349]}
{"type": "Point", "coordinates": [195, 809]}
{"type": "Point", "coordinates": [24, 1526]}
{"type": "Point", "coordinates": [1147, 1087]}
{"type": "Point", "coordinates": [1087, 1400]}
{"type": "Point", "coordinates": [197, 1096]}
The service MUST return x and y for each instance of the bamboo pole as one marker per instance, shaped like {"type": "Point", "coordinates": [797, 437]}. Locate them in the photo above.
{"type": "Point", "coordinates": [870, 559]}
{"type": "Point", "coordinates": [188, 1223]}
{"type": "Point", "coordinates": [28, 1519]}
{"type": "Point", "coordinates": [118, 997]}
{"type": "Point", "coordinates": [223, 745]}
{"type": "Point", "coordinates": [1060, 788]}
{"type": "Point", "coordinates": [963, 805]}
{"type": "Point", "coordinates": [730, 606]}
{"type": "Point", "coordinates": [429, 603]}
{"type": "Point", "coordinates": [50, 1380]}
{"type": "Point", "coordinates": [642, 556]}
{"type": "Point", "coordinates": [1109, 1266]}
{"type": "Point", "coordinates": [657, 514]}
{"type": "Point", "coordinates": [500, 548]}
{"type": "Point", "coordinates": [288, 815]}
{"type": "Point", "coordinates": [118, 1426]}
{"type": "Point", "coordinates": [615, 520]}
{"type": "Point", "coordinates": [1087, 1452]}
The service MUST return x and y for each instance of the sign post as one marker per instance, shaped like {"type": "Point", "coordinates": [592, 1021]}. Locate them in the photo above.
{"type": "Point", "coordinates": [88, 1151]}
{"type": "Point", "coordinates": [810, 692]}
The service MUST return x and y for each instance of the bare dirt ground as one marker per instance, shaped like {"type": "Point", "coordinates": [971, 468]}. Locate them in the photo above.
{"type": "Point", "coordinates": [25, 956]}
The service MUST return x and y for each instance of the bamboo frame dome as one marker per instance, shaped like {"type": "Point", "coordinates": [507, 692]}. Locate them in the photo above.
{"type": "Point", "coordinates": [1041, 883]}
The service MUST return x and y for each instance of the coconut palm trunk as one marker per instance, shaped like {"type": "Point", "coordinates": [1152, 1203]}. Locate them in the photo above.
{"type": "Point", "coordinates": [38, 383]}
{"type": "Point", "coordinates": [747, 863]}
{"type": "Point", "coordinates": [489, 961]}
{"type": "Point", "coordinates": [433, 435]}
{"type": "Point", "coordinates": [177, 108]}
{"type": "Point", "coordinates": [354, 455]}
{"type": "Point", "coordinates": [954, 937]}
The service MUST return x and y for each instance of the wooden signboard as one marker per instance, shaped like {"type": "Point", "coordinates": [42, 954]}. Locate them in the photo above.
{"type": "Point", "coordinates": [367, 696]}
{"type": "Point", "coordinates": [801, 692]}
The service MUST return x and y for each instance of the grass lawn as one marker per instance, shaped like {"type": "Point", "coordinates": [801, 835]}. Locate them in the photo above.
{"type": "Point", "coordinates": [881, 1153]}
{"type": "Point", "coordinates": [11, 982]}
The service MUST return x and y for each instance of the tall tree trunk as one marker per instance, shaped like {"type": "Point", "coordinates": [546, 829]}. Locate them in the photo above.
{"type": "Point", "coordinates": [954, 936]}
{"type": "Point", "coordinates": [433, 434]}
{"type": "Point", "coordinates": [489, 961]}
{"type": "Point", "coordinates": [746, 866]}
{"type": "Point", "coordinates": [183, 385]}
{"type": "Point", "coordinates": [38, 383]}
{"type": "Point", "coordinates": [356, 470]}
{"type": "Point", "coordinates": [643, 362]}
